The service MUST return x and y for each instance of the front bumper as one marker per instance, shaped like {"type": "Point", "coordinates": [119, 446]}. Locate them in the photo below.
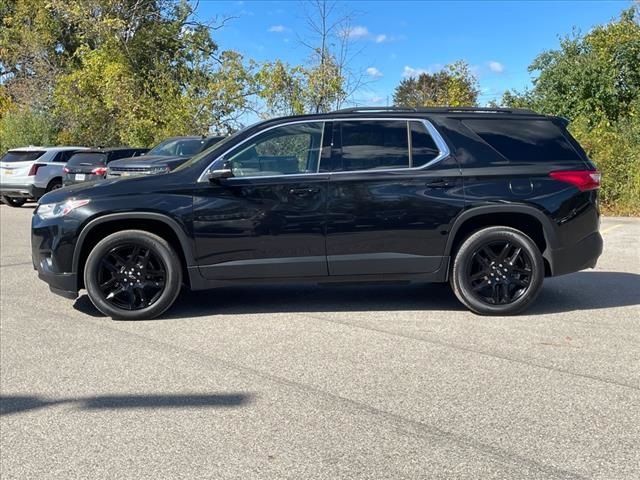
{"type": "Point", "coordinates": [52, 247]}
{"type": "Point", "coordinates": [16, 191]}
{"type": "Point", "coordinates": [573, 258]}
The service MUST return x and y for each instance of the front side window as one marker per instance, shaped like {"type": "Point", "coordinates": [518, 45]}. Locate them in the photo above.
{"type": "Point", "coordinates": [285, 150]}
{"type": "Point", "coordinates": [374, 144]}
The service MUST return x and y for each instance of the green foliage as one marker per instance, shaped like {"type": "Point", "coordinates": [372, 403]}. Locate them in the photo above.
{"type": "Point", "coordinates": [120, 71]}
{"type": "Point", "coordinates": [594, 80]}
{"type": "Point", "coordinates": [21, 128]}
{"type": "Point", "coordinates": [454, 85]}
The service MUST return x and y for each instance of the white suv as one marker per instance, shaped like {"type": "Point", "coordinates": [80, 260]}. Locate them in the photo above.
{"type": "Point", "coordinates": [18, 169]}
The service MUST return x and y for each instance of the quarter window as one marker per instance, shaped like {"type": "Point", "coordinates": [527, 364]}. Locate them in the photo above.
{"type": "Point", "coordinates": [285, 150]}
{"type": "Point", "coordinates": [370, 145]}
{"type": "Point", "coordinates": [423, 147]}
{"type": "Point", "coordinates": [525, 140]}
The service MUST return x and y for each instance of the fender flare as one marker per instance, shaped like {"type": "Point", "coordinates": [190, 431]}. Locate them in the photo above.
{"type": "Point", "coordinates": [548, 227]}
{"type": "Point", "coordinates": [185, 242]}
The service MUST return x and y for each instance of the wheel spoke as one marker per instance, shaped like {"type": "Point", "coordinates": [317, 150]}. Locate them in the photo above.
{"type": "Point", "coordinates": [108, 284]}
{"type": "Point", "coordinates": [515, 256]}
{"type": "Point", "coordinates": [504, 252]}
{"type": "Point", "coordinates": [480, 285]}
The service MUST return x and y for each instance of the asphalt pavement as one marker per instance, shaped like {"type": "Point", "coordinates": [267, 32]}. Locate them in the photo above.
{"type": "Point", "coordinates": [302, 382]}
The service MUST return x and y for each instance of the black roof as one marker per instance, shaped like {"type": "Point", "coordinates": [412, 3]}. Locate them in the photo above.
{"type": "Point", "coordinates": [408, 112]}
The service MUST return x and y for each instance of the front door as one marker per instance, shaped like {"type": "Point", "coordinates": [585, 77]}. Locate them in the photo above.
{"type": "Point", "coordinates": [393, 194]}
{"type": "Point", "coordinates": [268, 220]}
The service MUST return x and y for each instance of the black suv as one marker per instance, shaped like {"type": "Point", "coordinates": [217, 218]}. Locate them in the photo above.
{"type": "Point", "coordinates": [491, 200]}
{"type": "Point", "coordinates": [162, 158]}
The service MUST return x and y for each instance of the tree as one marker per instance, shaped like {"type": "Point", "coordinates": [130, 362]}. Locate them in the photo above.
{"type": "Point", "coordinates": [594, 80]}
{"type": "Point", "coordinates": [326, 80]}
{"type": "Point", "coordinates": [454, 85]}
{"type": "Point", "coordinates": [120, 71]}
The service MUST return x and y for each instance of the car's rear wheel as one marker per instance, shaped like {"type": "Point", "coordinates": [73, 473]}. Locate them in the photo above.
{"type": "Point", "coordinates": [14, 201]}
{"type": "Point", "coordinates": [497, 271]}
{"type": "Point", "coordinates": [54, 184]}
{"type": "Point", "coordinates": [133, 275]}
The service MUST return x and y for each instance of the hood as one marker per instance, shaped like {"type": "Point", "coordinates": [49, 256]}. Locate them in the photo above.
{"type": "Point", "coordinates": [145, 161]}
{"type": "Point", "coordinates": [108, 187]}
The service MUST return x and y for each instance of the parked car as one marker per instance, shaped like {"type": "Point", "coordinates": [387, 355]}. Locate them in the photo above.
{"type": "Point", "coordinates": [162, 158]}
{"type": "Point", "coordinates": [91, 165]}
{"type": "Point", "coordinates": [491, 200]}
{"type": "Point", "coordinates": [30, 172]}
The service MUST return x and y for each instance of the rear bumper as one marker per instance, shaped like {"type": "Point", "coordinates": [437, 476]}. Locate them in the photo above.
{"type": "Point", "coordinates": [573, 258]}
{"type": "Point", "coordinates": [18, 191]}
{"type": "Point", "coordinates": [37, 192]}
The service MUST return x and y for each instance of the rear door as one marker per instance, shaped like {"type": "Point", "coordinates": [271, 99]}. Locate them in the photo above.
{"type": "Point", "coordinates": [393, 193]}
{"type": "Point", "coordinates": [268, 220]}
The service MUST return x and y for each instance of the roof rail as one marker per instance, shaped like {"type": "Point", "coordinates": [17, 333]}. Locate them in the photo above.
{"type": "Point", "coordinates": [514, 111]}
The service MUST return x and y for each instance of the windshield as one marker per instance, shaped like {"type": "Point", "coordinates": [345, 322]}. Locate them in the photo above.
{"type": "Point", "coordinates": [196, 158]}
{"type": "Point", "coordinates": [92, 158]}
{"type": "Point", "coordinates": [21, 156]}
{"type": "Point", "coordinates": [178, 147]}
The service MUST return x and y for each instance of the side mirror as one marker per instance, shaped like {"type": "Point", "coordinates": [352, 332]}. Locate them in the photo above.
{"type": "Point", "coordinates": [220, 173]}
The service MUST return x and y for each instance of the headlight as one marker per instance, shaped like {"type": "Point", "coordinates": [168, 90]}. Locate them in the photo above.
{"type": "Point", "coordinates": [157, 170]}
{"type": "Point", "coordinates": [47, 211]}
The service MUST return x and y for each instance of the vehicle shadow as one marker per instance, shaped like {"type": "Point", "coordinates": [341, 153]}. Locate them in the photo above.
{"type": "Point", "coordinates": [579, 291]}
{"type": "Point", "coordinates": [12, 404]}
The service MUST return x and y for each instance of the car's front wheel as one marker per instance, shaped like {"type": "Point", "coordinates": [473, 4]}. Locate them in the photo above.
{"type": "Point", "coordinates": [133, 275]}
{"type": "Point", "coordinates": [14, 201]}
{"type": "Point", "coordinates": [497, 271]}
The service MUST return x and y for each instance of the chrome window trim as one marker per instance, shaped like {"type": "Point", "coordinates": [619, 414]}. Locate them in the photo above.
{"type": "Point", "coordinates": [437, 138]}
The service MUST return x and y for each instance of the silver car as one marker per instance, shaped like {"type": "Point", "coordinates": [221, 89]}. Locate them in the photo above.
{"type": "Point", "coordinates": [30, 172]}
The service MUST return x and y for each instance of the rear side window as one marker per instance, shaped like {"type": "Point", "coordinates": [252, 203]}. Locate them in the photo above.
{"type": "Point", "coordinates": [93, 158]}
{"type": "Point", "coordinates": [24, 156]}
{"type": "Point", "coordinates": [524, 141]}
{"type": "Point", "coordinates": [369, 145]}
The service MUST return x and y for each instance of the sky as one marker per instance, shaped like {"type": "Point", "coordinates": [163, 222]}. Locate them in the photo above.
{"type": "Point", "coordinates": [396, 39]}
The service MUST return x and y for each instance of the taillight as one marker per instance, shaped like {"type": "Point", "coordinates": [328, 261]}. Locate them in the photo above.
{"type": "Point", "coordinates": [66, 170]}
{"type": "Point", "coordinates": [99, 170]}
{"type": "Point", "coordinates": [583, 179]}
{"type": "Point", "coordinates": [34, 169]}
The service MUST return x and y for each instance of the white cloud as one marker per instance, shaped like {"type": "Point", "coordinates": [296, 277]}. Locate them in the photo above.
{"type": "Point", "coordinates": [376, 100]}
{"type": "Point", "coordinates": [381, 38]}
{"type": "Point", "coordinates": [278, 28]}
{"type": "Point", "coordinates": [496, 67]}
{"type": "Point", "coordinates": [410, 72]}
{"type": "Point", "coordinates": [374, 72]}
{"type": "Point", "coordinates": [357, 32]}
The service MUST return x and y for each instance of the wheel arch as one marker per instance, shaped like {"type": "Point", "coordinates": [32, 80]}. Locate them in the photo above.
{"type": "Point", "coordinates": [156, 223]}
{"type": "Point", "coordinates": [528, 219]}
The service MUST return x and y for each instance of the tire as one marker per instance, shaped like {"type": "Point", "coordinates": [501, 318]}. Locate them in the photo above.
{"type": "Point", "coordinates": [14, 201]}
{"type": "Point", "coordinates": [115, 273]}
{"type": "Point", "coordinates": [490, 278]}
{"type": "Point", "coordinates": [54, 184]}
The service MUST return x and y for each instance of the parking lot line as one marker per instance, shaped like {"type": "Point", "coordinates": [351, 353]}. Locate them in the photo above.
{"type": "Point", "coordinates": [612, 227]}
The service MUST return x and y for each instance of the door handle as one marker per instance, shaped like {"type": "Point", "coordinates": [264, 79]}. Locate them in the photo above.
{"type": "Point", "coordinates": [438, 183]}
{"type": "Point", "coordinates": [304, 192]}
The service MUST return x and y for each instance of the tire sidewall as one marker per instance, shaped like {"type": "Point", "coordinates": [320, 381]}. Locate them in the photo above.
{"type": "Point", "coordinates": [463, 257]}
{"type": "Point", "coordinates": [161, 247]}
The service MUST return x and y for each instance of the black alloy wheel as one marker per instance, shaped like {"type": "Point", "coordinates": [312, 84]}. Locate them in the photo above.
{"type": "Point", "coordinates": [500, 272]}
{"type": "Point", "coordinates": [497, 271]}
{"type": "Point", "coordinates": [133, 275]}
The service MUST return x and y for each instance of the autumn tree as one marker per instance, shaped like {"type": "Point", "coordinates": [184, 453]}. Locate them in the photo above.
{"type": "Point", "coordinates": [454, 85]}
